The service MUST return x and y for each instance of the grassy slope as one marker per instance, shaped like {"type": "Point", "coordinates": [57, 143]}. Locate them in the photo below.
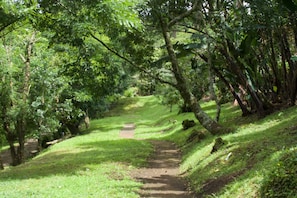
{"type": "Point", "coordinates": [253, 149]}
{"type": "Point", "coordinates": [97, 164]}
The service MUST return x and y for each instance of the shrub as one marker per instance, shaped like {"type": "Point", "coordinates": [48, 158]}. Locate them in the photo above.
{"type": "Point", "coordinates": [131, 92]}
{"type": "Point", "coordinates": [282, 180]}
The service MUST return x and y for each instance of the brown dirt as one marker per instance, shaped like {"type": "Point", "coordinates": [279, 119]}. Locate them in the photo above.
{"type": "Point", "coordinates": [161, 176]}
{"type": "Point", "coordinates": [30, 145]}
{"type": "Point", "coordinates": [128, 131]}
{"type": "Point", "coordinates": [213, 186]}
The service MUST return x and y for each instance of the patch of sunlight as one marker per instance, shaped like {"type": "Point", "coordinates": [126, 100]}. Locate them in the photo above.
{"type": "Point", "coordinates": [133, 106]}
{"type": "Point", "coordinates": [201, 157]}
{"type": "Point", "coordinates": [256, 127]}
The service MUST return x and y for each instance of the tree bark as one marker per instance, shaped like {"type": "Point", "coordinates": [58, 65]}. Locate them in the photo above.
{"type": "Point", "coordinates": [274, 66]}
{"type": "Point", "coordinates": [213, 95]}
{"type": "Point", "coordinates": [243, 107]}
{"type": "Point", "coordinates": [1, 164]}
{"type": "Point", "coordinates": [6, 104]}
{"type": "Point", "coordinates": [292, 76]}
{"type": "Point", "coordinates": [11, 138]}
{"type": "Point", "coordinates": [244, 110]}
{"type": "Point", "coordinates": [73, 128]}
{"type": "Point", "coordinates": [21, 124]}
{"type": "Point", "coordinates": [236, 69]}
{"type": "Point", "coordinates": [208, 123]}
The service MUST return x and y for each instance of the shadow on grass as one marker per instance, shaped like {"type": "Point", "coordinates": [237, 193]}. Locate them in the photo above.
{"type": "Point", "coordinates": [70, 162]}
{"type": "Point", "coordinates": [251, 151]}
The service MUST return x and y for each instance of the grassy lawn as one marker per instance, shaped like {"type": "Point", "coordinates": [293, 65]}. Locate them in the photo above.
{"type": "Point", "coordinates": [97, 164]}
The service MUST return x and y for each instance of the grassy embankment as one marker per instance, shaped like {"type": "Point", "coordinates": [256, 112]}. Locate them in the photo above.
{"type": "Point", "coordinates": [97, 164]}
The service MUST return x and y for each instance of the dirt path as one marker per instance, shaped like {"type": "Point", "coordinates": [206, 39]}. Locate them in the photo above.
{"type": "Point", "coordinates": [127, 131]}
{"type": "Point", "coordinates": [161, 176]}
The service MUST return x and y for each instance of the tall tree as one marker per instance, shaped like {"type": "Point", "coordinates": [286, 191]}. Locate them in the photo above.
{"type": "Point", "coordinates": [166, 15]}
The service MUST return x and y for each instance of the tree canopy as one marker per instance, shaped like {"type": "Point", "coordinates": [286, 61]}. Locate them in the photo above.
{"type": "Point", "coordinates": [64, 60]}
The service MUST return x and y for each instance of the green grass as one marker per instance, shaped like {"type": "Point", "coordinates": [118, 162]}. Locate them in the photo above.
{"type": "Point", "coordinates": [98, 163]}
{"type": "Point", "coordinates": [254, 149]}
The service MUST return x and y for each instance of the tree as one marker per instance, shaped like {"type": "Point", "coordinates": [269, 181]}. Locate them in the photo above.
{"type": "Point", "coordinates": [28, 92]}
{"type": "Point", "coordinates": [167, 15]}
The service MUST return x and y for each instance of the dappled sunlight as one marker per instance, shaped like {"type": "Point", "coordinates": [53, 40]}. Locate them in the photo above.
{"type": "Point", "coordinates": [84, 182]}
{"type": "Point", "coordinates": [101, 158]}
{"type": "Point", "coordinates": [246, 151]}
{"type": "Point", "coordinates": [68, 162]}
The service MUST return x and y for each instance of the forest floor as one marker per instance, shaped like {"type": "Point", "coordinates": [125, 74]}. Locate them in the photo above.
{"type": "Point", "coordinates": [31, 149]}
{"type": "Point", "coordinates": [161, 176]}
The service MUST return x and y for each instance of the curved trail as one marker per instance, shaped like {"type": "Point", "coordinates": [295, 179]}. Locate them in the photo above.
{"type": "Point", "coordinates": [161, 177]}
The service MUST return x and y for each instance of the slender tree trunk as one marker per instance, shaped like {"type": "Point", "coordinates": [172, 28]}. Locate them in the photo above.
{"type": "Point", "coordinates": [21, 124]}
{"type": "Point", "coordinates": [9, 135]}
{"type": "Point", "coordinates": [73, 128]}
{"type": "Point", "coordinates": [285, 94]}
{"type": "Point", "coordinates": [294, 26]}
{"type": "Point", "coordinates": [244, 110]}
{"type": "Point", "coordinates": [21, 131]}
{"type": "Point", "coordinates": [243, 107]}
{"type": "Point", "coordinates": [208, 123]}
{"type": "Point", "coordinates": [235, 68]}
{"type": "Point", "coordinates": [274, 66]}
{"type": "Point", "coordinates": [11, 138]}
{"type": "Point", "coordinates": [292, 75]}
{"type": "Point", "coordinates": [6, 104]}
{"type": "Point", "coordinates": [213, 95]}
{"type": "Point", "coordinates": [1, 164]}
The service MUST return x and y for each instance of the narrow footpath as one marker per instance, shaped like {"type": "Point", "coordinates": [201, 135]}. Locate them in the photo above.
{"type": "Point", "coordinates": [161, 177]}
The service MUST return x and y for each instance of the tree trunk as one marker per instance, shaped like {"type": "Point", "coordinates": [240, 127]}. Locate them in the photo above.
{"type": "Point", "coordinates": [10, 137]}
{"type": "Point", "coordinates": [21, 128]}
{"type": "Point", "coordinates": [211, 125]}
{"type": "Point", "coordinates": [213, 95]}
{"type": "Point", "coordinates": [73, 128]}
{"type": "Point", "coordinates": [1, 164]}
{"type": "Point", "coordinates": [292, 77]}
{"type": "Point", "coordinates": [244, 110]}
{"type": "Point", "coordinates": [21, 125]}
{"type": "Point", "coordinates": [276, 82]}
{"type": "Point", "coordinates": [235, 68]}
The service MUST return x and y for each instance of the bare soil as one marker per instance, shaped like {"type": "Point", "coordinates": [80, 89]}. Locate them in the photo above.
{"type": "Point", "coordinates": [31, 148]}
{"type": "Point", "coordinates": [161, 177]}
{"type": "Point", "coordinates": [128, 131]}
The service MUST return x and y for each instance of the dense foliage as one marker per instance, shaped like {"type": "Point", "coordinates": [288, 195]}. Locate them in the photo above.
{"type": "Point", "coordinates": [65, 60]}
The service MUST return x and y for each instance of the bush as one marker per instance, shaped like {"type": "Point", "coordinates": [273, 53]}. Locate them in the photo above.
{"type": "Point", "coordinates": [131, 92]}
{"type": "Point", "coordinates": [282, 180]}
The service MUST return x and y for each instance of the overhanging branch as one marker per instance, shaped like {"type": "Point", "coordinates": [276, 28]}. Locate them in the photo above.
{"type": "Point", "coordinates": [131, 62]}
{"type": "Point", "coordinates": [183, 15]}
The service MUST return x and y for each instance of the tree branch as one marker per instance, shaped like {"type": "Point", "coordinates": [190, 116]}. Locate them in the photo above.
{"type": "Point", "coordinates": [183, 15]}
{"type": "Point", "coordinates": [131, 62]}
